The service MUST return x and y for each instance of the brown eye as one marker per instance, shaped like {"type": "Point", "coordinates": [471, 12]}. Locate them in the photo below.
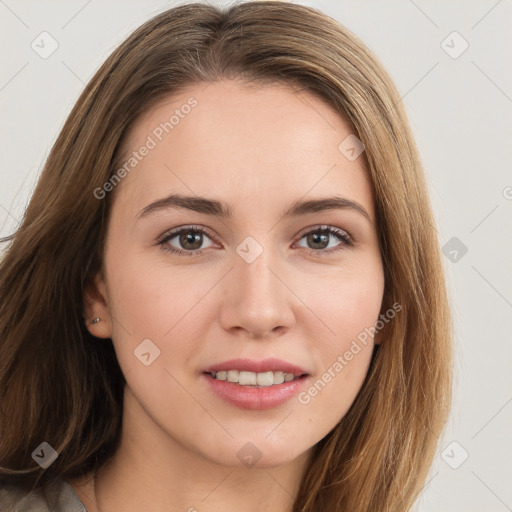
{"type": "Point", "coordinates": [319, 239]}
{"type": "Point", "coordinates": [189, 241]}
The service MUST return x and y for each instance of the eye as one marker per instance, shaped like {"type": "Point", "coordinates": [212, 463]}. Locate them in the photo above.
{"type": "Point", "coordinates": [190, 238]}
{"type": "Point", "coordinates": [319, 239]}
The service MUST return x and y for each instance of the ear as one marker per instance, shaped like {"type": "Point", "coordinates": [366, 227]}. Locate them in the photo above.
{"type": "Point", "coordinates": [96, 306]}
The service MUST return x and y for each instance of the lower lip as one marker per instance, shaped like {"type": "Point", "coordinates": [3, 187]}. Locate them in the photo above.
{"type": "Point", "coordinates": [247, 397]}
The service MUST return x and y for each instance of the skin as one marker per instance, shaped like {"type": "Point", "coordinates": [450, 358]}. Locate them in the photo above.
{"type": "Point", "coordinates": [258, 148]}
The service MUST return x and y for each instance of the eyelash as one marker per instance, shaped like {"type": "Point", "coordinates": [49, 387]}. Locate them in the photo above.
{"type": "Point", "coordinates": [343, 237]}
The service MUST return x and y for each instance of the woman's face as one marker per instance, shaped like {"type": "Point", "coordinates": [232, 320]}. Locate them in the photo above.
{"type": "Point", "coordinates": [258, 284]}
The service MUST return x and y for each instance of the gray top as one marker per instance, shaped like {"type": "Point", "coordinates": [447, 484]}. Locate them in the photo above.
{"type": "Point", "coordinates": [56, 495]}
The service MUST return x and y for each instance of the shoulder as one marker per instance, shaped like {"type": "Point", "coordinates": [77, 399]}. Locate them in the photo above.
{"type": "Point", "coordinates": [55, 495]}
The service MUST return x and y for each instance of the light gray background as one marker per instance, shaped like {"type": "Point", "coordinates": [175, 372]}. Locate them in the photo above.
{"type": "Point", "coordinates": [460, 112]}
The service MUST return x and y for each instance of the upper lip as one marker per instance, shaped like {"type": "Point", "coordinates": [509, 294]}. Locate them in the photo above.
{"type": "Point", "coordinates": [251, 365]}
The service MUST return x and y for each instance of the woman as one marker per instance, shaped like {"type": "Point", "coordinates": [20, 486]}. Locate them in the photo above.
{"type": "Point", "coordinates": [227, 291]}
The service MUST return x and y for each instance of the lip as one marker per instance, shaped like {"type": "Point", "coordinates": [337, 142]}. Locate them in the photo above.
{"type": "Point", "coordinates": [250, 365]}
{"type": "Point", "coordinates": [255, 398]}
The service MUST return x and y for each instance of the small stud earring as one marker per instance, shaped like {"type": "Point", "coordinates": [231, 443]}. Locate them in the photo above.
{"type": "Point", "coordinates": [95, 320]}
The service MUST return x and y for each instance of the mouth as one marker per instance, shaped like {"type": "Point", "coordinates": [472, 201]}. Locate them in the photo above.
{"type": "Point", "coordinates": [255, 380]}
{"type": "Point", "coordinates": [256, 384]}
{"type": "Point", "coordinates": [256, 373]}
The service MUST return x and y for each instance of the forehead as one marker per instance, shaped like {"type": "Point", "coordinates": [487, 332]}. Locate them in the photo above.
{"type": "Point", "coordinates": [228, 138]}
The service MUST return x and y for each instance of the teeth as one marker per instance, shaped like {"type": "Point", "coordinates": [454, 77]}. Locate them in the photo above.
{"type": "Point", "coordinates": [232, 376]}
{"type": "Point", "coordinates": [251, 379]}
{"type": "Point", "coordinates": [279, 377]}
{"type": "Point", "coordinates": [263, 379]}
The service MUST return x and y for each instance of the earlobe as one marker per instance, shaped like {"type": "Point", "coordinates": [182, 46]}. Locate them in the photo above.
{"type": "Point", "coordinates": [96, 309]}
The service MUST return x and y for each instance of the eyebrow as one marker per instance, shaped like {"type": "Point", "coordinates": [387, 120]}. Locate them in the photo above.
{"type": "Point", "coordinates": [220, 209]}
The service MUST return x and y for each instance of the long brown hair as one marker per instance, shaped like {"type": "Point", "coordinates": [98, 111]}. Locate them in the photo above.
{"type": "Point", "coordinates": [59, 385]}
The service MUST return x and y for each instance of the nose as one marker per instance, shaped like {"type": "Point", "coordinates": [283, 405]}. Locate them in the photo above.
{"type": "Point", "coordinates": [257, 304]}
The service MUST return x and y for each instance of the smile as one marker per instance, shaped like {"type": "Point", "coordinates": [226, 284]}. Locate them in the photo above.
{"type": "Point", "coordinates": [263, 379]}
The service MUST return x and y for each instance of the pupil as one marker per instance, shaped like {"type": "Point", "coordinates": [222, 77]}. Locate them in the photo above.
{"type": "Point", "coordinates": [191, 238]}
{"type": "Point", "coordinates": [320, 239]}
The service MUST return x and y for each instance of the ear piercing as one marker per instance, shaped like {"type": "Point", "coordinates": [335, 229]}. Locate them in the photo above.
{"type": "Point", "coordinates": [95, 320]}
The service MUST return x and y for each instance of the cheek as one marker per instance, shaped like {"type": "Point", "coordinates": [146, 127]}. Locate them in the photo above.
{"type": "Point", "coordinates": [347, 304]}
{"type": "Point", "coordinates": [151, 297]}
{"type": "Point", "coordinates": [349, 308]}
{"type": "Point", "coordinates": [345, 358]}
{"type": "Point", "coordinates": [165, 305]}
